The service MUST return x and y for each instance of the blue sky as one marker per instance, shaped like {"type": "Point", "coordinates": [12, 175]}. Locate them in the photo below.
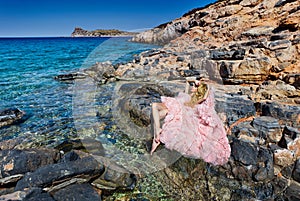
{"type": "Point", "coordinates": [59, 17]}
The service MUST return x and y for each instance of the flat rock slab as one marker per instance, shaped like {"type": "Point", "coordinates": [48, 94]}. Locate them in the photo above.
{"type": "Point", "coordinates": [13, 162]}
{"type": "Point", "coordinates": [86, 167]}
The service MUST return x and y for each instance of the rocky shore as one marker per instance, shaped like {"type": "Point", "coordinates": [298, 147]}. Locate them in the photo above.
{"type": "Point", "coordinates": [250, 52]}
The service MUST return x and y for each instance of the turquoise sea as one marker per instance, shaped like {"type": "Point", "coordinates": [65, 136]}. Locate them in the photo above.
{"type": "Point", "coordinates": [27, 70]}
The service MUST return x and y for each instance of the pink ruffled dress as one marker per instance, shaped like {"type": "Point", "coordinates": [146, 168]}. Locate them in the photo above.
{"type": "Point", "coordinates": [195, 132]}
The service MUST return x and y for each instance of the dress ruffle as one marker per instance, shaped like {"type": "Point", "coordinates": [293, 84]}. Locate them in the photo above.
{"type": "Point", "coordinates": [195, 132]}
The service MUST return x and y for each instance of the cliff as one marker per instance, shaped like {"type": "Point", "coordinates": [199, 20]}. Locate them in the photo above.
{"type": "Point", "coordinates": [79, 32]}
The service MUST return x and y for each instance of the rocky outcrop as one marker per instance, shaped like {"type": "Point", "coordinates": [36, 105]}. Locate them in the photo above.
{"type": "Point", "coordinates": [79, 32]}
{"type": "Point", "coordinates": [38, 174]}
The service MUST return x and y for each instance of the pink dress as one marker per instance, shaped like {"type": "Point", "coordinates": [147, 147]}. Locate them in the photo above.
{"type": "Point", "coordinates": [195, 132]}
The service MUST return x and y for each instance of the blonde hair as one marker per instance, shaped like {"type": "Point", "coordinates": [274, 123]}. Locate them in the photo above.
{"type": "Point", "coordinates": [198, 95]}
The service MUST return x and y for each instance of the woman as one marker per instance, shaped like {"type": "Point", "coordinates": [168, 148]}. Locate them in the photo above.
{"type": "Point", "coordinates": [191, 125]}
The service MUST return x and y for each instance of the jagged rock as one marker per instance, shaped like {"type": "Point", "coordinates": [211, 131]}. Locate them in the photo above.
{"type": "Point", "coordinates": [14, 162]}
{"type": "Point", "coordinates": [293, 79]}
{"type": "Point", "coordinates": [227, 55]}
{"type": "Point", "coordinates": [10, 116]}
{"type": "Point", "coordinates": [244, 152]}
{"type": "Point", "coordinates": [287, 114]}
{"type": "Point", "coordinates": [269, 128]}
{"type": "Point", "coordinates": [57, 173]}
{"type": "Point", "coordinates": [253, 161]}
{"type": "Point", "coordinates": [70, 76]}
{"type": "Point", "coordinates": [77, 192]}
{"type": "Point", "coordinates": [234, 107]}
{"type": "Point", "coordinates": [293, 133]}
{"type": "Point", "coordinates": [101, 72]}
{"type": "Point", "coordinates": [296, 171]}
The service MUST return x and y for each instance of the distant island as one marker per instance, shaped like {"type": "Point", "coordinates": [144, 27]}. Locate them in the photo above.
{"type": "Point", "coordinates": [79, 32]}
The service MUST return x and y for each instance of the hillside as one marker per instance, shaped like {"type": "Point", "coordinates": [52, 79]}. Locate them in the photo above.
{"type": "Point", "coordinates": [79, 32]}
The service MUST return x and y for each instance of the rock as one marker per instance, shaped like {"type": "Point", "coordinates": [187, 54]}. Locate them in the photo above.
{"type": "Point", "coordinates": [293, 191]}
{"type": "Point", "coordinates": [249, 2]}
{"type": "Point", "coordinates": [294, 146]}
{"type": "Point", "coordinates": [37, 194]}
{"type": "Point", "coordinates": [114, 177]}
{"type": "Point", "coordinates": [14, 162]}
{"type": "Point", "coordinates": [259, 31]}
{"type": "Point", "coordinates": [283, 2]}
{"type": "Point", "coordinates": [77, 192]}
{"type": "Point", "coordinates": [293, 133]}
{"type": "Point", "coordinates": [10, 116]}
{"type": "Point", "coordinates": [296, 171]}
{"type": "Point", "coordinates": [227, 55]}
{"type": "Point", "coordinates": [244, 152]}
{"type": "Point", "coordinates": [280, 44]}
{"type": "Point", "coordinates": [234, 107]}
{"type": "Point", "coordinates": [10, 180]}
{"type": "Point", "coordinates": [246, 71]}
{"type": "Point", "coordinates": [101, 72]}
{"type": "Point", "coordinates": [293, 79]}
{"type": "Point", "coordinates": [57, 173]}
{"type": "Point", "coordinates": [269, 128]}
{"type": "Point", "coordinates": [70, 76]}
{"type": "Point", "coordinates": [286, 114]}
{"type": "Point", "coordinates": [15, 196]}
{"type": "Point", "coordinates": [283, 157]}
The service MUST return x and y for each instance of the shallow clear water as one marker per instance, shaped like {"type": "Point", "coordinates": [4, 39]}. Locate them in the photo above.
{"type": "Point", "coordinates": [27, 70]}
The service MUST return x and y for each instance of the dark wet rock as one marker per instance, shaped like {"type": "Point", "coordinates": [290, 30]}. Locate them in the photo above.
{"type": "Point", "coordinates": [10, 116]}
{"type": "Point", "coordinates": [87, 144]}
{"type": "Point", "coordinates": [14, 162]}
{"type": "Point", "coordinates": [269, 128]}
{"type": "Point", "coordinates": [286, 114]}
{"type": "Point", "coordinates": [35, 194]}
{"type": "Point", "coordinates": [114, 177]}
{"type": "Point", "coordinates": [71, 76]}
{"type": "Point", "coordinates": [101, 72]}
{"type": "Point", "coordinates": [77, 192]}
{"type": "Point", "coordinates": [60, 172]}
{"type": "Point", "coordinates": [244, 152]}
{"type": "Point", "coordinates": [296, 171]}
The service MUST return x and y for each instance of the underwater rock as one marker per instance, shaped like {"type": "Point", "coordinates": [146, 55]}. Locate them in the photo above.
{"type": "Point", "coordinates": [71, 76]}
{"type": "Point", "coordinates": [10, 116]}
